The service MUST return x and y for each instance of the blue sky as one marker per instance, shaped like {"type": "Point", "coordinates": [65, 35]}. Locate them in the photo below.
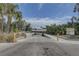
{"type": "Point", "coordinates": [39, 14]}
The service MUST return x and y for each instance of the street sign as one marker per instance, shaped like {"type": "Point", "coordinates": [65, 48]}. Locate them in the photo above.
{"type": "Point", "coordinates": [70, 31]}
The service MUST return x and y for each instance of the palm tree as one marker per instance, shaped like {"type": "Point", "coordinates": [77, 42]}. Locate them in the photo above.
{"type": "Point", "coordinates": [1, 16]}
{"type": "Point", "coordinates": [76, 9]}
{"type": "Point", "coordinates": [18, 19]}
{"type": "Point", "coordinates": [72, 21]}
{"type": "Point", "coordinates": [11, 10]}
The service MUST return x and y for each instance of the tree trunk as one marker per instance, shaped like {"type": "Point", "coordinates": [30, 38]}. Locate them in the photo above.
{"type": "Point", "coordinates": [9, 24]}
{"type": "Point", "coordinates": [1, 23]}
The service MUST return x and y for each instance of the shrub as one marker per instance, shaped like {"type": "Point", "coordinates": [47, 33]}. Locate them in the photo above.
{"type": "Point", "coordinates": [10, 37]}
{"type": "Point", "coordinates": [1, 38]}
{"type": "Point", "coordinates": [24, 35]}
{"type": "Point", "coordinates": [17, 35]}
{"type": "Point", "coordinates": [20, 34]}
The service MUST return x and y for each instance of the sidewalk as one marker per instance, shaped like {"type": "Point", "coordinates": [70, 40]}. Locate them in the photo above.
{"type": "Point", "coordinates": [4, 46]}
{"type": "Point", "coordinates": [61, 40]}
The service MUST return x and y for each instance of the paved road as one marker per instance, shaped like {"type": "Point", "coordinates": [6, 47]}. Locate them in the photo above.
{"type": "Point", "coordinates": [35, 46]}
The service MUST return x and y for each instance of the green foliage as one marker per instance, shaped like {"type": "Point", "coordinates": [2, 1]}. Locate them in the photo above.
{"type": "Point", "coordinates": [28, 28]}
{"type": "Point", "coordinates": [15, 30]}
{"type": "Point", "coordinates": [54, 29]}
{"type": "Point", "coordinates": [76, 26]}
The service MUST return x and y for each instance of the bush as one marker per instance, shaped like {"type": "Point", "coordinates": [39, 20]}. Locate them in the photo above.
{"type": "Point", "coordinates": [24, 35]}
{"type": "Point", "coordinates": [17, 35]}
{"type": "Point", "coordinates": [7, 38]}
{"type": "Point", "coordinates": [1, 38]}
{"type": "Point", "coordinates": [10, 38]}
{"type": "Point", "coordinates": [21, 34]}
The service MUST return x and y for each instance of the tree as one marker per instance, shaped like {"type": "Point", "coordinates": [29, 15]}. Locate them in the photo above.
{"type": "Point", "coordinates": [72, 21]}
{"type": "Point", "coordinates": [54, 29]}
{"type": "Point", "coordinates": [18, 19]}
{"type": "Point", "coordinates": [2, 8]}
{"type": "Point", "coordinates": [28, 27]}
{"type": "Point", "coordinates": [76, 10]}
{"type": "Point", "coordinates": [10, 11]}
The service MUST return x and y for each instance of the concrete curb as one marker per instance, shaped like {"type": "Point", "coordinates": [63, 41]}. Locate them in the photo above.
{"type": "Point", "coordinates": [51, 36]}
{"type": "Point", "coordinates": [61, 40]}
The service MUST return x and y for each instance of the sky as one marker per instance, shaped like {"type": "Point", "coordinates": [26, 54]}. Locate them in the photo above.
{"type": "Point", "coordinates": [42, 14]}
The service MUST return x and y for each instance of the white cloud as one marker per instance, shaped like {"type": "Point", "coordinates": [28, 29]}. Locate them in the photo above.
{"type": "Point", "coordinates": [38, 22]}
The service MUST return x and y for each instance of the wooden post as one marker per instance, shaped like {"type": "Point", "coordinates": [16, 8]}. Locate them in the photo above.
{"type": "Point", "coordinates": [14, 35]}
{"type": "Point", "coordinates": [57, 36]}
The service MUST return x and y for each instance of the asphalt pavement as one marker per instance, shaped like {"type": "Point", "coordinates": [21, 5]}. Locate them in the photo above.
{"type": "Point", "coordinates": [37, 45]}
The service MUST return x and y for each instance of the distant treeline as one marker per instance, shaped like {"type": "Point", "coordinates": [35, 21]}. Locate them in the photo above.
{"type": "Point", "coordinates": [61, 29]}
